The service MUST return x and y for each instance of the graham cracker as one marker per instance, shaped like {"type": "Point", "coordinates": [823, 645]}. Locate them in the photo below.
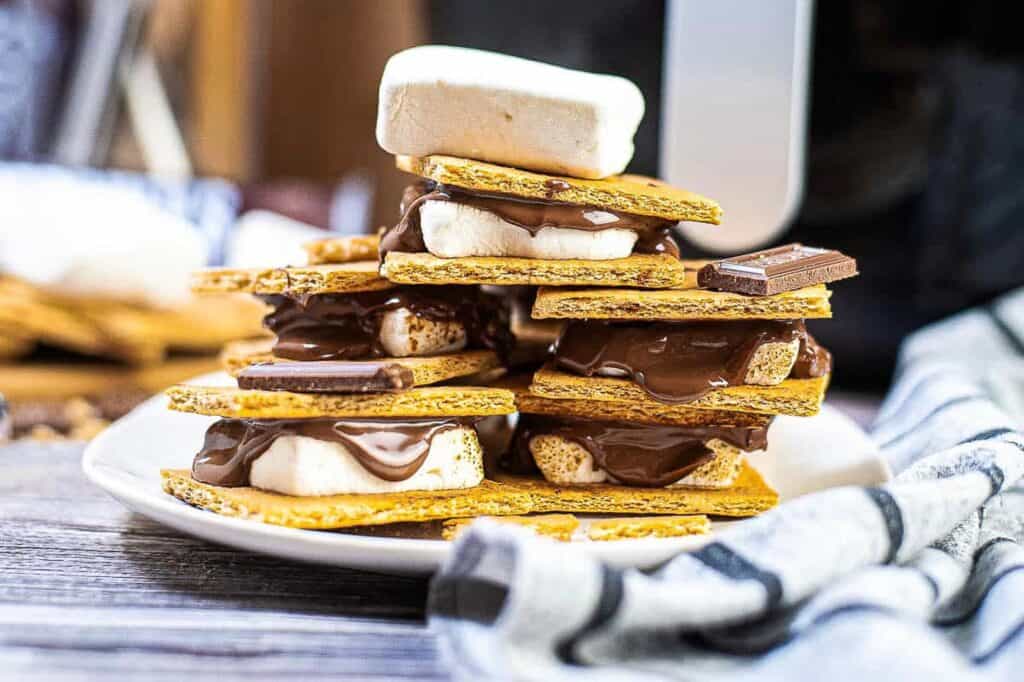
{"type": "Point", "coordinates": [425, 370]}
{"type": "Point", "coordinates": [312, 279]}
{"type": "Point", "coordinates": [343, 511]}
{"type": "Point", "coordinates": [797, 397]}
{"type": "Point", "coordinates": [748, 496]}
{"type": "Point", "coordinates": [35, 317]}
{"type": "Point", "coordinates": [429, 401]}
{"type": "Point", "coordinates": [514, 496]}
{"type": "Point", "coordinates": [608, 410]}
{"type": "Point", "coordinates": [35, 381]}
{"type": "Point", "coordinates": [350, 249]}
{"type": "Point", "coordinates": [557, 526]}
{"type": "Point", "coordinates": [680, 304]}
{"type": "Point", "coordinates": [131, 332]}
{"type": "Point", "coordinates": [601, 530]}
{"type": "Point", "coordinates": [627, 193]}
{"type": "Point", "coordinates": [638, 270]}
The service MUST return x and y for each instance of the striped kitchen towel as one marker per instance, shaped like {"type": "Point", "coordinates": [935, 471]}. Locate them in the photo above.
{"type": "Point", "coordinates": [918, 579]}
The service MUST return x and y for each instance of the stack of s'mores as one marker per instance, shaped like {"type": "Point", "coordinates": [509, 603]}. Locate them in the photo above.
{"type": "Point", "coordinates": [381, 397]}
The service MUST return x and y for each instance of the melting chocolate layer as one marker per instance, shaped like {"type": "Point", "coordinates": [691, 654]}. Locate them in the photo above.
{"type": "Point", "coordinates": [347, 326]}
{"type": "Point", "coordinates": [654, 235]}
{"type": "Point", "coordinates": [635, 454]}
{"type": "Point", "coordinates": [391, 450]}
{"type": "Point", "coordinates": [678, 362]}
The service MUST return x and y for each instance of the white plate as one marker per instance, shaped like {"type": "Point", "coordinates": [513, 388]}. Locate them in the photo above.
{"type": "Point", "coordinates": [805, 454]}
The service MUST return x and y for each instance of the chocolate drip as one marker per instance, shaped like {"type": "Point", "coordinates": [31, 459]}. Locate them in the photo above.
{"type": "Point", "coordinates": [635, 454]}
{"type": "Point", "coordinates": [654, 235]}
{"type": "Point", "coordinates": [678, 362]}
{"type": "Point", "coordinates": [390, 449]}
{"type": "Point", "coordinates": [347, 326]}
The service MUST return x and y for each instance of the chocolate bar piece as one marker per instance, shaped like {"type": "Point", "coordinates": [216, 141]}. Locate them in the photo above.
{"type": "Point", "coordinates": [328, 376]}
{"type": "Point", "coordinates": [773, 271]}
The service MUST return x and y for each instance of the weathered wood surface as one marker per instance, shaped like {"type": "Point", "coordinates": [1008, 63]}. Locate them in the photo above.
{"type": "Point", "coordinates": [91, 590]}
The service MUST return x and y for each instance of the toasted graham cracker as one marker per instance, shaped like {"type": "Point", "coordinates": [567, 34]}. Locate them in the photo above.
{"type": "Point", "coordinates": [601, 530]}
{"type": "Point", "coordinates": [430, 401]}
{"type": "Point", "coordinates": [312, 279]}
{"type": "Point", "coordinates": [350, 249]}
{"type": "Point", "coordinates": [425, 370]}
{"type": "Point", "coordinates": [33, 316]}
{"type": "Point", "coordinates": [798, 397]}
{"type": "Point", "coordinates": [748, 496]}
{"type": "Point", "coordinates": [680, 304]}
{"type": "Point", "coordinates": [608, 410]}
{"type": "Point", "coordinates": [343, 511]}
{"type": "Point", "coordinates": [131, 332]}
{"type": "Point", "coordinates": [559, 459]}
{"type": "Point", "coordinates": [627, 193]}
{"type": "Point", "coordinates": [557, 526]}
{"type": "Point", "coordinates": [514, 496]}
{"type": "Point", "coordinates": [638, 270]}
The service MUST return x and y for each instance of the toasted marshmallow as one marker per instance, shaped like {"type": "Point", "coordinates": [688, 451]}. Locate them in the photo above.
{"type": "Point", "coordinates": [565, 462]}
{"type": "Point", "coordinates": [453, 230]}
{"type": "Point", "coordinates": [403, 335]}
{"type": "Point", "coordinates": [302, 466]}
{"type": "Point", "coordinates": [492, 107]}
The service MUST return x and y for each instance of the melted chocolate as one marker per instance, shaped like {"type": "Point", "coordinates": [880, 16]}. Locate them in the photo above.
{"type": "Point", "coordinates": [635, 454]}
{"type": "Point", "coordinates": [347, 326]}
{"type": "Point", "coordinates": [390, 449]}
{"type": "Point", "coordinates": [654, 235]}
{"type": "Point", "coordinates": [678, 362]}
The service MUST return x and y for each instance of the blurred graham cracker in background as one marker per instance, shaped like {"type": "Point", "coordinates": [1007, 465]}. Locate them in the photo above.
{"type": "Point", "coordinates": [130, 333]}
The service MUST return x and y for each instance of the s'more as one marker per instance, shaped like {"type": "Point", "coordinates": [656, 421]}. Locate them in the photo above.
{"type": "Point", "coordinates": [519, 177]}
{"type": "Point", "coordinates": [382, 387]}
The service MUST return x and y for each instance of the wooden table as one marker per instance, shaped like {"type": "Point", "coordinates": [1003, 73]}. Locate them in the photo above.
{"type": "Point", "coordinates": [89, 589]}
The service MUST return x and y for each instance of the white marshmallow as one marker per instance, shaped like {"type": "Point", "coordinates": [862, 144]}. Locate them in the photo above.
{"type": "Point", "coordinates": [302, 466]}
{"type": "Point", "coordinates": [453, 230]}
{"type": "Point", "coordinates": [403, 335]}
{"type": "Point", "coordinates": [492, 107]}
{"type": "Point", "coordinates": [83, 235]}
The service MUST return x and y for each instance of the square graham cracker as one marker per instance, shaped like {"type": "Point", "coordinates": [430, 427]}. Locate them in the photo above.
{"type": "Point", "coordinates": [626, 193]}
{"type": "Point", "coordinates": [509, 497]}
{"type": "Point", "coordinates": [638, 270]}
{"type": "Point", "coordinates": [428, 401]}
{"type": "Point", "coordinates": [679, 304]}
{"type": "Point", "coordinates": [311, 279]}
{"type": "Point", "coordinates": [350, 249]}
{"type": "Point", "coordinates": [557, 526]}
{"type": "Point", "coordinates": [425, 370]}
{"type": "Point", "coordinates": [797, 397]}
{"type": "Point", "coordinates": [602, 530]}
{"type": "Point", "coordinates": [614, 410]}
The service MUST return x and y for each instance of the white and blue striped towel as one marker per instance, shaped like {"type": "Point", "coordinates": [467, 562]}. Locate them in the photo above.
{"type": "Point", "coordinates": [918, 579]}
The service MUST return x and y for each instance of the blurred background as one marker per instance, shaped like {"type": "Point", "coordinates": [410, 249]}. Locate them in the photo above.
{"type": "Point", "coordinates": [225, 115]}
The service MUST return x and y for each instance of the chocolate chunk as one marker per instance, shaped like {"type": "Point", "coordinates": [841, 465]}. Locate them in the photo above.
{"type": "Point", "coordinates": [327, 376]}
{"type": "Point", "coordinates": [773, 271]}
